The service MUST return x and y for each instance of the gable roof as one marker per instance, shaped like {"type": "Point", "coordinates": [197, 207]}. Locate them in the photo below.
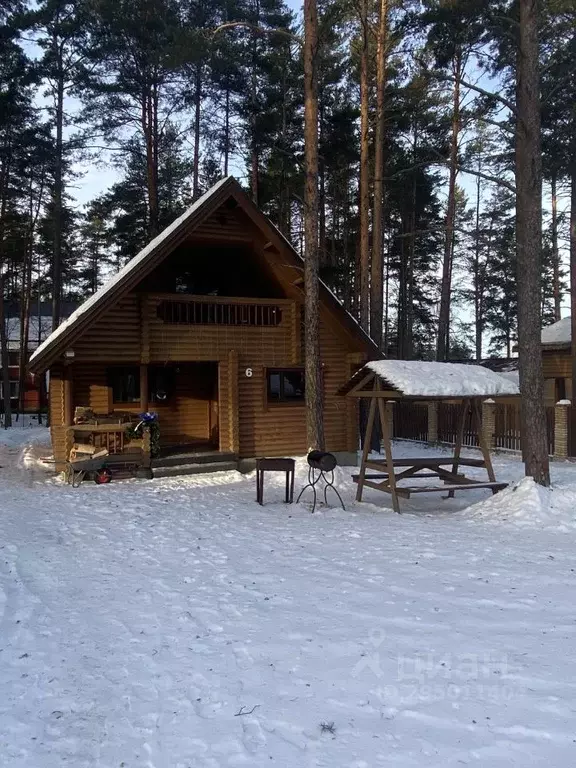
{"type": "Point", "coordinates": [160, 247]}
{"type": "Point", "coordinates": [433, 381]}
{"type": "Point", "coordinates": [559, 334]}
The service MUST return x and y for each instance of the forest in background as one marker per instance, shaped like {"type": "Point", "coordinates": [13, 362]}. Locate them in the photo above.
{"type": "Point", "coordinates": [416, 185]}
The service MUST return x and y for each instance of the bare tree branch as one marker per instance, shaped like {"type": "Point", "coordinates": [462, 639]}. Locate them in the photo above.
{"type": "Point", "coordinates": [490, 94]}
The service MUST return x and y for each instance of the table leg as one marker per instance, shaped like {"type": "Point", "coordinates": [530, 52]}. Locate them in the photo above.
{"type": "Point", "coordinates": [259, 486]}
{"type": "Point", "coordinates": [291, 485]}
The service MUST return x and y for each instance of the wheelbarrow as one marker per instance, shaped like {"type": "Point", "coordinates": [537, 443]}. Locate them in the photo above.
{"type": "Point", "coordinates": [100, 470]}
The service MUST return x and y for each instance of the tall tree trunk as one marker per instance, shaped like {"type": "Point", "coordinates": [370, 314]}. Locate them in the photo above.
{"type": "Point", "coordinates": [284, 192]}
{"type": "Point", "coordinates": [24, 324]}
{"type": "Point", "coordinates": [478, 288]}
{"type": "Point", "coordinates": [376, 281]}
{"type": "Point", "coordinates": [364, 168]}
{"type": "Point", "coordinates": [58, 197]}
{"type": "Point", "coordinates": [5, 168]}
{"type": "Point", "coordinates": [4, 355]}
{"type": "Point", "coordinates": [555, 250]}
{"type": "Point", "coordinates": [148, 123]}
{"type": "Point", "coordinates": [443, 347]}
{"type": "Point", "coordinates": [254, 144]}
{"type": "Point", "coordinates": [314, 405]}
{"type": "Point", "coordinates": [197, 114]}
{"type": "Point", "coordinates": [529, 244]}
{"type": "Point", "coordinates": [401, 344]}
{"type": "Point", "coordinates": [227, 129]}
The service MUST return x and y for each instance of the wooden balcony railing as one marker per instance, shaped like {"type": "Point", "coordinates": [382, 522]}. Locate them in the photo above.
{"type": "Point", "coordinates": [219, 310]}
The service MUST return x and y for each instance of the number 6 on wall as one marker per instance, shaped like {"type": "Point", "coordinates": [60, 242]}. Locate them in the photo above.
{"type": "Point", "coordinates": [249, 373]}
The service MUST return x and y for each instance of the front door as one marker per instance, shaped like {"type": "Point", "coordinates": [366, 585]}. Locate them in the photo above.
{"type": "Point", "coordinates": [186, 400]}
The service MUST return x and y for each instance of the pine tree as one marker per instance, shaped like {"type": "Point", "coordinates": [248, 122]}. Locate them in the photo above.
{"type": "Point", "coordinates": [135, 87]}
{"type": "Point", "coordinates": [314, 405]}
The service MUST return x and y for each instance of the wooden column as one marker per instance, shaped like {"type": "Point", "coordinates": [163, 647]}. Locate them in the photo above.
{"type": "Point", "coordinates": [233, 415]}
{"type": "Point", "coordinates": [145, 309]}
{"type": "Point", "coordinates": [144, 351]}
{"type": "Point", "coordinates": [489, 421]}
{"type": "Point", "coordinates": [561, 429]}
{"type": "Point", "coordinates": [390, 417]}
{"type": "Point", "coordinates": [366, 448]}
{"type": "Point", "coordinates": [143, 387]}
{"type": "Point", "coordinates": [388, 450]}
{"type": "Point", "coordinates": [484, 447]}
{"type": "Point", "coordinates": [68, 410]}
{"type": "Point", "coordinates": [295, 333]}
{"type": "Point", "coordinates": [459, 439]}
{"type": "Point", "coordinates": [433, 422]}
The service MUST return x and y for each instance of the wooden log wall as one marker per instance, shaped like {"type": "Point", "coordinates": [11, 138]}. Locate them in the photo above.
{"type": "Point", "coordinates": [275, 429]}
{"type": "Point", "coordinates": [116, 337]}
{"type": "Point", "coordinates": [132, 334]}
{"type": "Point", "coordinates": [556, 364]}
{"type": "Point", "coordinates": [56, 405]}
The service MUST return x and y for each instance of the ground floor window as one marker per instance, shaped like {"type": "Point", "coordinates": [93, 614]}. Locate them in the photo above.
{"type": "Point", "coordinates": [285, 385]}
{"type": "Point", "coordinates": [14, 390]}
{"type": "Point", "coordinates": [125, 383]}
{"type": "Point", "coordinates": [161, 383]}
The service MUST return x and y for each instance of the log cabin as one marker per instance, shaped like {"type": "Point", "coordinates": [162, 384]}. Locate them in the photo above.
{"type": "Point", "coordinates": [557, 361]}
{"type": "Point", "coordinates": [205, 328]}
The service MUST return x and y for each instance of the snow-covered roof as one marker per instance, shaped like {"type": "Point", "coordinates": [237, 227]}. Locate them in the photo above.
{"type": "Point", "coordinates": [135, 265]}
{"type": "Point", "coordinates": [557, 333]}
{"type": "Point", "coordinates": [512, 375]}
{"type": "Point", "coordinates": [128, 269]}
{"type": "Point", "coordinates": [416, 378]}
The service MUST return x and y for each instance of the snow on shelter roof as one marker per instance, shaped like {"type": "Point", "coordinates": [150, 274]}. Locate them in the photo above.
{"type": "Point", "coordinates": [229, 185]}
{"type": "Point", "coordinates": [557, 333]}
{"type": "Point", "coordinates": [416, 378]}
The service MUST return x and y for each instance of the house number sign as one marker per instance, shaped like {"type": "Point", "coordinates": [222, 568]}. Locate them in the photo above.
{"type": "Point", "coordinates": [249, 373]}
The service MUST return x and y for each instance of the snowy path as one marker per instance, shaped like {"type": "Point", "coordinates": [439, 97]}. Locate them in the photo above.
{"type": "Point", "coordinates": [138, 620]}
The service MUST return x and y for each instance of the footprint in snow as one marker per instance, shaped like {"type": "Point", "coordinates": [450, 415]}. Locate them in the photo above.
{"type": "Point", "coordinates": [254, 737]}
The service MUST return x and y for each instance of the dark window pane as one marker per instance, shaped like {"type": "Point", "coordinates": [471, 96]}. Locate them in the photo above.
{"type": "Point", "coordinates": [274, 391]}
{"type": "Point", "coordinates": [286, 386]}
{"type": "Point", "coordinates": [125, 384]}
{"type": "Point", "coordinates": [161, 384]}
{"type": "Point", "coordinates": [293, 385]}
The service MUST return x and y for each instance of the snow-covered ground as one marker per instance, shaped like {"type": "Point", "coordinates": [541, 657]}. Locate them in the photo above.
{"type": "Point", "coordinates": [177, 624]}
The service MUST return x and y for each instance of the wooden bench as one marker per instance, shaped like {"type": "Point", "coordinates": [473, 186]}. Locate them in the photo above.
{"type": "Point", "coordinates": [494, 487]}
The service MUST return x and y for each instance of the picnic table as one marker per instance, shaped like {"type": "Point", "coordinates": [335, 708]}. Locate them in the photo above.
{"type": "Point", "coordinates": [443, 467]}
{"type": "Point", "coordinates": [382, 381]}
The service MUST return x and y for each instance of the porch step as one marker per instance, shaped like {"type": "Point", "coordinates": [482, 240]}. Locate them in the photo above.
{"type": "Point", "coordinates": [192, 457]}
{"type": "Point", "coordinates": [198, 468]}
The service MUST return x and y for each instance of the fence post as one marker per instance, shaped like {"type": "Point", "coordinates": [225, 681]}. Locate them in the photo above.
{"type": "Point", "coordinates": [561, 429]}
{"type": "Point", "coordinates": [390, 415]}
{"type": "Point", "coordinates": [433, 422]}
{"type": "Point", "coordinates": [489, 422]}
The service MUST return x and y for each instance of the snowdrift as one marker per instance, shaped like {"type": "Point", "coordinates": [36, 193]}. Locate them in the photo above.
{"type": "Point", "coordinates": [527, 504]}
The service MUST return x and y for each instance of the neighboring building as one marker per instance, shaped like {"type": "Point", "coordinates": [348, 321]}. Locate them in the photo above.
{"type": "Point", "coordinates": [557, 361]}
{"type": "Point", "coordinates": [39, 329]}
{"type": "Point", "coordinates": [205, 327]}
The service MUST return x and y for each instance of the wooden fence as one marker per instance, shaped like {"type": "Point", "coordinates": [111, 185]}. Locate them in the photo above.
{"type": "Point", "coordinates": [411, 423]}
{"type": "Point", "coordinates": [448, 417]}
